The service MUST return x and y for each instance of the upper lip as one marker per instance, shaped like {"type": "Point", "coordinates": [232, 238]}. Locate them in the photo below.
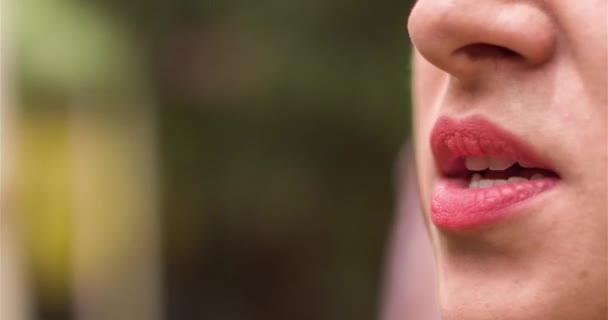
{"type": "Point", "coordinates": [454, 140]}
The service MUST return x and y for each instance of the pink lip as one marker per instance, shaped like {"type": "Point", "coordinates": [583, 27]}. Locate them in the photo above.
{"type": "Point", "coordinates": [456, 207]}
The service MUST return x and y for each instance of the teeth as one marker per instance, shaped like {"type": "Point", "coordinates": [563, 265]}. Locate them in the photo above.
{"type": "Point", "coordinates": [500, 164]}
{"type": "Point", "coordinates": [484, 183]}
{"type": "Point", "coordinates": [537, 176]}
{"type": "Point", "coordinates": [477, 163]}
{"type": "Point", "coordinates": [525, 165]}
{"type": "Point", "coordinates": [484, 162]}
{"type": "Point", "coordinates": [477, 181]}
{"type": "Point", "coordinates": [498, 182]}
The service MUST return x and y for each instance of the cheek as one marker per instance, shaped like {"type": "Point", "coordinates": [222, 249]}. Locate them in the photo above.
{"type": "Point", "coordinates": [428, 84]}
{"type": "Point", "coordinates": [424, 166]}
{"type": "Point", "coordinates": [584, 33]}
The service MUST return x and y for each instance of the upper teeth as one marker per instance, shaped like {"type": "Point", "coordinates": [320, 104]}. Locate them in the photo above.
{"type": "Point", "coordinates": [484, 162]}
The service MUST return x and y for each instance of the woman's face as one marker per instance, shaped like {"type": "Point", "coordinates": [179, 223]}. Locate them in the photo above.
{"type": "Point", "coordinates": [510, 103]}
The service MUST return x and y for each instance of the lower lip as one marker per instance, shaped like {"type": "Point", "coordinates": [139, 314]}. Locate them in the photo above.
{"type": "Point", "coordinates": [456, 207]}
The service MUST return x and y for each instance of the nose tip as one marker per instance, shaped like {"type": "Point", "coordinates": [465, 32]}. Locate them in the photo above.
{"type": "Point", "coordinates": [461, 36]}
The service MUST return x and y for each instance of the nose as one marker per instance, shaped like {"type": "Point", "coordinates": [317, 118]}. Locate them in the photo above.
{"type": "Point", "coordinates": [464, 37]}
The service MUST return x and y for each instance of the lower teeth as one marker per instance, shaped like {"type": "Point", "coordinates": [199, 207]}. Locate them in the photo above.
{"type": "Point", "coordinates": [478, 182]}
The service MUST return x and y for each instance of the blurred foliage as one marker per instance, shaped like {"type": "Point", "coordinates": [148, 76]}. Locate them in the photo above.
{"type": "Point", "coordinates": [47, 221]}
{"type": "Point", "coordinates": [65, 45]}
{"type": "Point", "coordinates": [279, 123]}
{"type": "Point", "coordinates": [280, 128]}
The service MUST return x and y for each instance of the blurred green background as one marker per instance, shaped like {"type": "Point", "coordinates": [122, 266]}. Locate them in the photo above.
{"type": "Point", "coordinates": [271, 131]}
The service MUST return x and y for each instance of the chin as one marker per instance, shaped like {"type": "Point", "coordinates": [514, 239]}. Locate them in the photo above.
{"type": "Point", "coordinates": [519, 270]}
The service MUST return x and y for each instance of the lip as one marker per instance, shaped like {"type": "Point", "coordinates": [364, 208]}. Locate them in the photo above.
{"type": "Point", "coordinates": [456, 207]}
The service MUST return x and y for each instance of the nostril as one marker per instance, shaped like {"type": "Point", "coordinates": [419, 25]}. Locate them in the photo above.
{"type": "Point", "coordinates": [478, 51]}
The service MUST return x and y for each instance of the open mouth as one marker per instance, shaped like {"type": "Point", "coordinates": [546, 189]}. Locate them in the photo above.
{"type": "Point", "coordinates": [486, 173]}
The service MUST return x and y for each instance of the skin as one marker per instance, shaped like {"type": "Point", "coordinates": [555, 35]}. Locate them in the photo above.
{"type": "Point", "coordinates": [544, 78]}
